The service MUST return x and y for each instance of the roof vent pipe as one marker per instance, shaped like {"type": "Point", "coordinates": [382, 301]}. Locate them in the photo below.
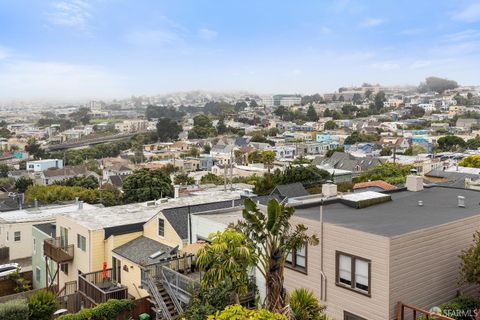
{"type": "Point", "coordinates": [461, 201]}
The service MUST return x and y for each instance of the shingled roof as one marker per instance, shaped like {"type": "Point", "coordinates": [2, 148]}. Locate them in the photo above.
{"type": "Point", "coordinates": [290, 190]}
{"type": "Point", "coordinates": [140, 249]}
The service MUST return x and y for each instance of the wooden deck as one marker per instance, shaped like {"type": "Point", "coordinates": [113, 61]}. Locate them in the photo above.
{"type": "Point", "coordinates": [53, 249]}
{"type": "Point", "coordinates": [99, 290]}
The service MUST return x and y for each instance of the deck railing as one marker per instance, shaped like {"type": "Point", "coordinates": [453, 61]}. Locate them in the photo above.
{"type": "Point", "coordinates": [55, 250]}
{"type": "Point", "coordinates": [99, 290]}
{"type": "Point", "coordinates": [404, 309]}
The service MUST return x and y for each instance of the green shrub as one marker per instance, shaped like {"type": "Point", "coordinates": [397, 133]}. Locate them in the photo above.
{"type": "Point", "coordinates": [42, 305]}
{"type": "Point", "coordinates": [105, 311]}
{"type": "Point", "coordinates": [14, 310]}
{"type": "Point", "coordinates": [304, 305]}
{"type": "Point", "coordinates": [242, 313]}
{"type": "Point", "coordinates": [461, 303]}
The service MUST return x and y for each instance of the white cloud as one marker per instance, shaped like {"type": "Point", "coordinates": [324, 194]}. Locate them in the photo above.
{"type": "Point", "coordinates": [4, 53]}
{"type": "Point", "coordinates": [385, 66]}
{"type": "Point", "coordinates": [70, 13]}
{"type": "Point", "coordinates": [207, 34]}
{"type": "Point", "coordinates": [296, 71]}
{"type": "Point", "coordinates": [465, 35]}
{"type": "Point", "coordinates": [470, 13]}
{"type": "Point", "coordinates": [372, 22]}
{"type": "Point", "coordinates": [420, 64]}
{"type": "Point", "coordinates": [154, 37]}
{"type": "Point", "coordinates": [33, 79]}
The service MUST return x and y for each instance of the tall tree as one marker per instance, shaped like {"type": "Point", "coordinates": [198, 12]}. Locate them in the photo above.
{"type": "Point", "coordinates": [451, 143]}
{"type": "Point", "coordinates": [145, 185]}
{"type": "Point", "coordinates": [226, 261]}
{"type": "Point", "coordinates": [312, 114]}
{"type": "Point", "coordinates": [268, 157]}
{"type": "Point", "coordinates": [168, 129]}
{"type": "Point", "coordinates": [273, 238]}
{"type": "Point", "coordinates": [34, 149]}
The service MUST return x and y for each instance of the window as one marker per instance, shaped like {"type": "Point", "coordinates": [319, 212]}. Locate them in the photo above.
{"type": "Point", "coordinates": [81, 242]}
{"type": "Point", "coordinates": [161, 227]}
{"type": "Point", "coordinates": [297, 259]}
{"type": "Point", "coordinates": [116, 270]}
{"type": "Point", "coordinates": [353, 272]}
{"type": "Point", "coordinates": [63, 237]}
{"type": "Point", "coordinates": [34, 246]}
{"type": "Point", "coordinates": [38, 274]}
{"type": "Point", "coordinates": [350, 316]}
{"type": "Point", "coordinates": [17, 236]}
{"type": "Point", "coordinates": [64, 268]}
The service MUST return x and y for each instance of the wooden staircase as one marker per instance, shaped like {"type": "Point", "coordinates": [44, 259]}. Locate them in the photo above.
{"type": "Point", "coordinates": [164, 306]}
{"type": "Point", "coordinates": [168, 300]}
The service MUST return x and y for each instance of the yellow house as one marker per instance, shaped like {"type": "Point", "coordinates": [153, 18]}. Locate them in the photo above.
{"type": "Point", "coordinates": [94, 246]}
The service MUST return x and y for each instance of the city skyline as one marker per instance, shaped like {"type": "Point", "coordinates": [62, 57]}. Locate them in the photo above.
{"type": "Point", "coordinates": [77, 49]}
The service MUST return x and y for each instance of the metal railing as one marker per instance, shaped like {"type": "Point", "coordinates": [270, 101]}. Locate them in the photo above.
{"type": "Point", "coordinates": [149, 283]}
{"type": "Point", "coordinates": [179, 286]}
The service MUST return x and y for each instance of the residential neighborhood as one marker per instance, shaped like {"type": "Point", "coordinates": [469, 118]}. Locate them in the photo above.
{"type": "Point", "coordinates": [239, 160]}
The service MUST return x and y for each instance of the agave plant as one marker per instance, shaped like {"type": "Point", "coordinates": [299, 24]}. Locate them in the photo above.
{"type": "Point", "coordinates": [305, 306]}
{"type": "Point", "coordinates": [273, 238]}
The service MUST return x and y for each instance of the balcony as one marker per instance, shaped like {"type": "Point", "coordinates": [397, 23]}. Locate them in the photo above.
{"type": "Point", "coordinates": [99, 290]}
{"type": "Point", "coordinates": [53, 249]}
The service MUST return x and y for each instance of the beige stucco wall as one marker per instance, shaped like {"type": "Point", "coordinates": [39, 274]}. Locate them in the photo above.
{"type": "Point", "coordinates": [424, 264]}
{"type": "Point", "coordinates": [24, 247]}
{"type": "Point", "coordinates": [132, 277]}
{"type": "Point", "coordinates": [82, 259]}
{"type": "Point", "coordinates": [339, 299]}
{"type": "Point", "coordinates": [98, 250]}
{"type": "Point", "coordinates": [171, 237]}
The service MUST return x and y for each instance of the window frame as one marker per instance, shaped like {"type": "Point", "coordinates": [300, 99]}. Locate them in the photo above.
{"type": "Point", "coordinates": [352, 286]}
{"type": "Point", "coordinates": [79, 242]}
{"type": "Point", "coordinates": [38, 274]}
{"type": "Point", "coordinates": [15, 236]}
{"type": "Point", "coordinates": [64, 268]}
{"type": "Point", "coordinates": [349, 314]}
{"type": "Point", "coordinates": [163, 227]}
{"type": "Point", "coordinates": [293, 264]}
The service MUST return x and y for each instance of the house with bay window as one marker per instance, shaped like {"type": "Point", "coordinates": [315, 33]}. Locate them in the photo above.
{"type": "Point", "coordinates": [376, 248]}
{"type": "Point", "coordinates": [379, 249]}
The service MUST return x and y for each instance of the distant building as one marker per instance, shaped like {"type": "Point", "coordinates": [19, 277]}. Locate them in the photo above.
{"type": "Point", "coordinates": [42, 165]}
{"type": "Point", "coordinates": [129, 126]}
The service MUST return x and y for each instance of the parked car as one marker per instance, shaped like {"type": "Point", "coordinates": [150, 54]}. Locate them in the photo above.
{"type": "Point", "coordinates": [9, 268]}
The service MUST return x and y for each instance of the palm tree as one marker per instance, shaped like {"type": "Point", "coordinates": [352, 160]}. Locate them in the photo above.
{"type": "Point", "coordinates": [268, 157]}
{"type": "Point", "coordinates": [226, 261]}
{"type": "Point", "coordinates": [305, 306]}
{"type": "Point", "coordinates": [273, 238]}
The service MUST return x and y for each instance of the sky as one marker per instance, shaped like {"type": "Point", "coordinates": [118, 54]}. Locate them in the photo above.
{"type": "Point", "coordinates": [100, 49]}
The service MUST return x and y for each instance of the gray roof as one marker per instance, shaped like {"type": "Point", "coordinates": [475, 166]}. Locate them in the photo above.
{"type": "Point", "coordinates": [290, 190]}
{"type": "Point", "coordinates": [178, 217]}
{"type": "Point", "coordinates": [47, 228]}
{"type": "Point", "coordinates": [453, 179]}
{"type": "Point", "coordinates": [346, 161]}
{"type": "Point", "coordinates": [140, 249]}
{"type": "Point", "coordinates": [402, 214]}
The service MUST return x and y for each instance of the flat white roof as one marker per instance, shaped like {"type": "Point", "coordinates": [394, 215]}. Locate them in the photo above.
{"type": "Point", "coordinates": [361, 196]}
{"type": "Point", "coordinates": [41, 213]}
{"type": "Point", "coordinates": [99, 218]}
